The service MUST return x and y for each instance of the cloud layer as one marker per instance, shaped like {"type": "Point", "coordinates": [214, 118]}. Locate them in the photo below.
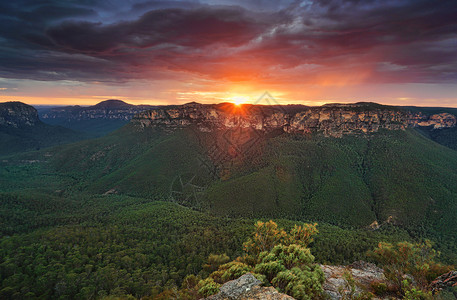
{"type": "Point", "coordinates": [326, 42]}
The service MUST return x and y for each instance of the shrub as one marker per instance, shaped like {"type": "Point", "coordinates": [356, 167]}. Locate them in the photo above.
{"type": "Point", "coordinates": [299, 283]}
{"type": "Point", "coordinates": [410, 267]}
{"type": "Point", "coordinates": [230, 271]}
{"type": "Point", "coordinates": [379, 288]}
{"type": "Point", "coordinates": [302, 235]}
{"type": "Point", "coordinates": [412, 293]}
{"type": "Point", "coordinates": [208, 287]}
{"type": "Point", "coordinates": [417, 260]}
{"type": "Point", "coordinates": [264, 238]}
{"type": "Point", "coordinates": [279, 259]}
{"type": "Point", "coordinates": [267, 235]}
{"type": "Point", "coordinates": [349, 290]}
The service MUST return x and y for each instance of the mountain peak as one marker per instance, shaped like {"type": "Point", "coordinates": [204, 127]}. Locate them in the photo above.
{"type": "Point", "coordinates": [15, 104]}
{"type": "Point", "coordinates": [17, 114]}
{"type": "Point", "coordinates": [112, 104]}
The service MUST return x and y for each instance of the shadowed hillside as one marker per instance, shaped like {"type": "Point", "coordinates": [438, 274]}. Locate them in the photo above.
{"type": "Point", "coordinates": [22, 130]}
{"type": "Point", "coordinates": [95, 120]}
{"type": "Point", "coordinates": [395, 176]}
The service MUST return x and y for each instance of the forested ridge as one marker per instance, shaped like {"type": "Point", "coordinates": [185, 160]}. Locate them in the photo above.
{"type": "Point", "coordinates": [95, 219]}
{"type": "Point", "coordinates": [118, 245]}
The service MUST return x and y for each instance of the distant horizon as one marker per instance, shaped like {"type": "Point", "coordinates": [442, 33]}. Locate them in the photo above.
{"type": "Point", "coordinates": [215, 103]}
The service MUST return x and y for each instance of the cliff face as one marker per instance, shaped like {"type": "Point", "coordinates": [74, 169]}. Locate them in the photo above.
{"type": "Point", "coordinates": [17, 115]}
{"type": "Point", "coordinates": [109, 109]}
{"type": "Point", "coordinates": [331, 120]}
{"type": "Point", "coordinates": [22, 130]}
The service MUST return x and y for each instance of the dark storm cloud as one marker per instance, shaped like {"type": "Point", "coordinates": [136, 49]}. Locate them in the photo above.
{"type": "Point", "coordinates": [192, 28]}
{"type": "Point", "coordinates": [414, 36]}
{"type": "Point", "coordinates": [408, 41]}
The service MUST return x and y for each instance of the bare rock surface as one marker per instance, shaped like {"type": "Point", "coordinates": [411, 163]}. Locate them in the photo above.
{"type": "Point", "coordinates": [247, 287]}
{"type": "Point", "coordinates": [363, 273]}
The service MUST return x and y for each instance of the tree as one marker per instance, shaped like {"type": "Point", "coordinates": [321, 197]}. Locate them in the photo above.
{"type": "Point", "coordinates": [267, 235]}
{"type": "Point", "coordinates": [214, 261]}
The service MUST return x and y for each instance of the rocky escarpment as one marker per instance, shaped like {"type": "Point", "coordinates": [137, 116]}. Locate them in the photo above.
{"type": "Point", "coordinates": [109, 109]}
{"type": "Point", "coordinates": [331, 120]}
{"type": "Point", "coordinates": [17, 115]}
{"type": "Point", "coordinates": [22, 130]}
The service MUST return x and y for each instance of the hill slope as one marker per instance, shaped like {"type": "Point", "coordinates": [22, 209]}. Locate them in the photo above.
{"type": "Point", "coordinates": [443, 136]}
{"type": "Point", "coordinates": [395, 176]}
{"type": "Point", "coordinates": [22, 130]}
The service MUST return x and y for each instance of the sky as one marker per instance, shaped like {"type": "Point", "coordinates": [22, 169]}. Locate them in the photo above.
{"type": "Point", "coordinates": [60, 52]}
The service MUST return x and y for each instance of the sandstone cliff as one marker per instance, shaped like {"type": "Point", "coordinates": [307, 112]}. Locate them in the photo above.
{"type": "Point", "coordinates": [17, 115]}
{"type": "Point", "coordinates": [331, 120]}
{"type": "Point", "coordinates": [22, 130]}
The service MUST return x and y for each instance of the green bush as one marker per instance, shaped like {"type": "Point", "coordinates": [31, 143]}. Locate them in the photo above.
{"type": "Point", "coordinates": [417, 260]}
{"type": "Point", "coordinates": [379, 288]}
{"type": "Point", "coordinates": [412, 293]}
{"type": "Point", "coordinates": [230, 271]}
{"type": "Point", "coordinates": [277, 259]}
{"type": "Point", "coordinates": [208, 287]}
{"type": "Point", "coordinates": [300, 284]}
{"type": "Point", "coordinates": [404, 260]}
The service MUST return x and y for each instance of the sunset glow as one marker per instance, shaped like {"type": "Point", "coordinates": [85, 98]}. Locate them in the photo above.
{"type": "Point", "coordinates": [173, 52]}
{"type": "Point", "coordinates": [238, 100]}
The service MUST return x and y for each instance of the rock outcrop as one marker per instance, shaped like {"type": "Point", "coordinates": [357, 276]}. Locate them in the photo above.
{"type": "Point", "coordinates": [335, 285]}
{"type": "Point", "coordinates": [363, 273]}
{"type": "Point", "coordinates": [109, 109]}
{"type": "Point", "coordinates": [247, 287]}
{"type": "Point", "coordinates": [18, 115]}
{"type": "Point", "coordinates": [331, 120]}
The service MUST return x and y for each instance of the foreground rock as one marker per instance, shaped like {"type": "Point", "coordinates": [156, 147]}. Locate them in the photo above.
{"type": "Point", "coordinates": [247, 287]}
{"type": "Point", "coordinates": [335, 286]}
{"type": "Point", "coordinates": [363, 273]}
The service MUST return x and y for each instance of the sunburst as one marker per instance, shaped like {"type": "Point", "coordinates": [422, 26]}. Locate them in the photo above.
{"type": "Point", "coordinates": [238, 100]}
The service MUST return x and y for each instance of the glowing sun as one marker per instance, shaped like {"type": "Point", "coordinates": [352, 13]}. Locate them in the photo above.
{"type": "Point", "coordinates": [238, 100]}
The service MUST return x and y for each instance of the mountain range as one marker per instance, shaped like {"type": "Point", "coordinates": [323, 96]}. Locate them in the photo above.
{"type": "Point", "coordinates": [293, 161]}
{"type": "Point", "coordinates": [96, 120]}
{"type": "Point", "coordinates": [320, 163]}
